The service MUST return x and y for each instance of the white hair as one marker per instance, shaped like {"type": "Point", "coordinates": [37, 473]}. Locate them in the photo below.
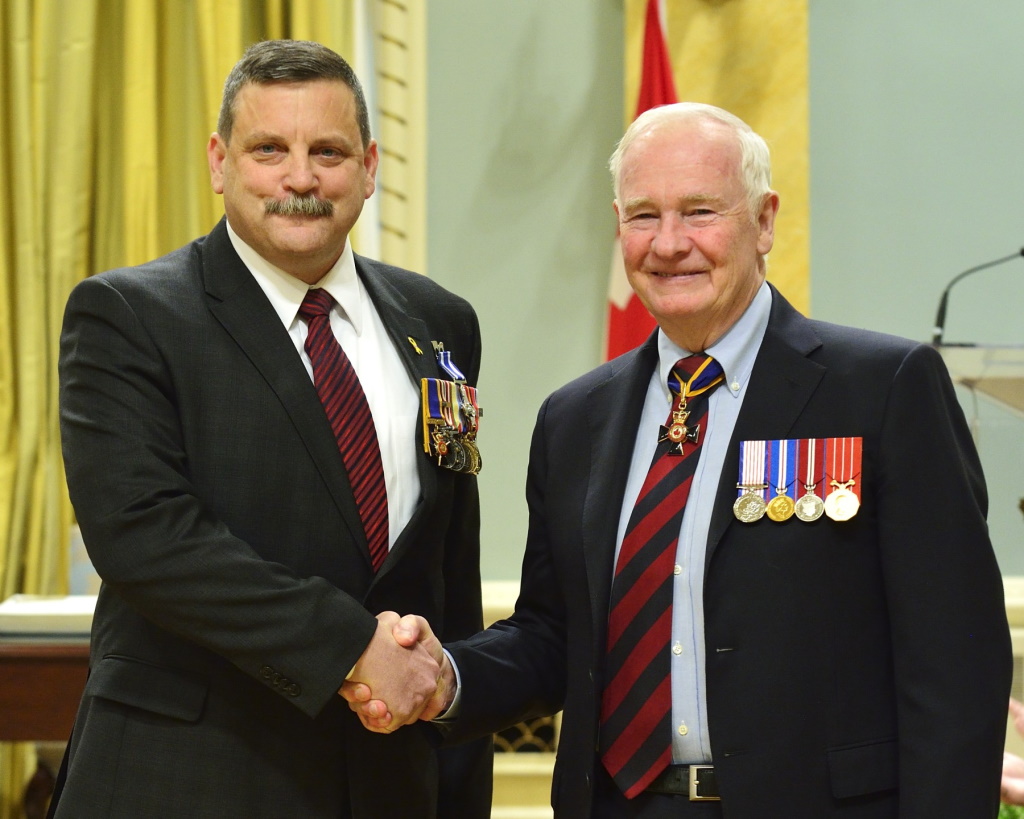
{"type": "Point", "coordinates": [755, 158]}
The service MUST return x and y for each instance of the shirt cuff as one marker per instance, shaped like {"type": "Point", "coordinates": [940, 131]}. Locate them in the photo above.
{"type": "Point", "coordinates": [453, 710]}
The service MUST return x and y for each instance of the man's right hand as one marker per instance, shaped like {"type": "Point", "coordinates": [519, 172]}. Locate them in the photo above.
{"type": "Point", "coordinates": [373, 708]}
{"type": "Point", "coordinates": [405, 675]}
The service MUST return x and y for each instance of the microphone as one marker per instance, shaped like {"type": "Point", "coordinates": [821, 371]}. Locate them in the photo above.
{"type": "Point", "coordinates": [940, 316]}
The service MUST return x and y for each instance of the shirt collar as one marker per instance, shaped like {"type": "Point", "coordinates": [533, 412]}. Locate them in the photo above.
{"type": "Point", "coordinates": [735, 351]}
{"type": "Point", "coordinates": [286, 293]}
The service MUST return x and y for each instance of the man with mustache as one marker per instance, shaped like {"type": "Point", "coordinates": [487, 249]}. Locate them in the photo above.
{"type": "Point", "coordinates": [245, 452]}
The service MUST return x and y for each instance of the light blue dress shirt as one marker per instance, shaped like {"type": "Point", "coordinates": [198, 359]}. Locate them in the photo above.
{"type": "Point", "coordinates": [735, 351]}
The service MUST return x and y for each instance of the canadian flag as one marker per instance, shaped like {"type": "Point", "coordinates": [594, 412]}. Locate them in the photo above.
{"type": "Point", "coordinates": [629, 323]}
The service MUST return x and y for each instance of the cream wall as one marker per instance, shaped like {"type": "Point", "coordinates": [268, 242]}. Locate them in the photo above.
{"type": "Point", "coordinates": [917, 173]}
{"type": "Point", "coordinates": [524, 108]}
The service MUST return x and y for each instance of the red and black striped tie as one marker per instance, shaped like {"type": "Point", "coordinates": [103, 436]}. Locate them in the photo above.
{"type": "Point", "coordinates": [345, 404]}
{"type": "Point", "coordinates": [636, 706]}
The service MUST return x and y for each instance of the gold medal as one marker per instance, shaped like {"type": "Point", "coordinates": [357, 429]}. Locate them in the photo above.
{"type": "Point", "coordinates": [809, 507]}
{"type": "Point", "coordinates": [780, 508]}
{"type": "Point", "coordinates": [750, 506]}
{"type": "Point", "coordinates": [842, 504]}
{"type": "Point", "coordinates": [676, 433]}
{"type": "Point", "coordinates": [844, 468]}
{"type": "Point", "coordinates": [473, 459]}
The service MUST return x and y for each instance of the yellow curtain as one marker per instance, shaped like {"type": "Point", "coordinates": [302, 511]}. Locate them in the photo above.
{"type": "Point", "coordinates": [750, 58]}
{"type": "Point", "coordinates": [45, 142]}
{"type": "Point", "coordinates": [105, 110]}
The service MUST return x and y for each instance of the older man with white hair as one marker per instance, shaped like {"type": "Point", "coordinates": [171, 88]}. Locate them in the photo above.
{"type": "Point", "coordinates": [758, 579]}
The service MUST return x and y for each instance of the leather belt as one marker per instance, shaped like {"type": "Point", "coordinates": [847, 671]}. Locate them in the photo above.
{"type": "Point", "coordinates": [698, 782]}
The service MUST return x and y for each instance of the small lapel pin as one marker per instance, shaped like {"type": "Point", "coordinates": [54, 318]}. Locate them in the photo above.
{"type": "Point", "coordinates": [415, 346]}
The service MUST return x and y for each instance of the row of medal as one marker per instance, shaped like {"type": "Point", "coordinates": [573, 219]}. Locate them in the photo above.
{"type": "Point", "coordinates": [805, 478]}
{"type": "Point", "coordinates": [451, 418]}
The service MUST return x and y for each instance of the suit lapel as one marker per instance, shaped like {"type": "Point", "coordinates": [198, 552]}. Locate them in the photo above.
{"type": "Point", "coordinates": [410, 337]}
{"type": "Point", "coordinates": [781, 383]}
{"type": "Point", "coordinates": [613, 416]}
{"type": "Point", "coordinates": [241, 307]}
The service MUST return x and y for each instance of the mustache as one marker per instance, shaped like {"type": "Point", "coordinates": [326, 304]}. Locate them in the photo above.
{"type": "Point", "coordinates": [296, 205]}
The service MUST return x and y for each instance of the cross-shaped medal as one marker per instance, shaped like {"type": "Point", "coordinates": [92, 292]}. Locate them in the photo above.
{"type": "Point", "coordinates": [679, 433]}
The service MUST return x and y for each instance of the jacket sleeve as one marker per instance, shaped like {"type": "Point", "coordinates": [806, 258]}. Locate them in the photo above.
{"type": "Point", "coordinates": [516, 669]}
{"type": "Point", "coordinates": [950, 640]}
{"type": "Point", "coordinates": [154, 542]}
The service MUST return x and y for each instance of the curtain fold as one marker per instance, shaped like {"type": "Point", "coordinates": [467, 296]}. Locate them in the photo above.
{"type": "Point", "coordinates": [46, 59]}
{"type": "Point", "coordinates": [105, 110]}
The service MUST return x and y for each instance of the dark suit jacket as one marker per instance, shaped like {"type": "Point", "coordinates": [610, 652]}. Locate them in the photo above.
{"type": "Point", "coordinates": [853, 669]}
{"type": "Point", "coordinates": [237, 588]}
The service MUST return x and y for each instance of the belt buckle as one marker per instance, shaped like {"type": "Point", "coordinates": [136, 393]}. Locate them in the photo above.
{"type": "Point", "coordinates": [695, 771]}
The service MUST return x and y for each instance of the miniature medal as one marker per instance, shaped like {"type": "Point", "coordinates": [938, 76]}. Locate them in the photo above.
{"type": "Point", "coordinates": [750, 506]}
{"type": "Point", "coordinates": [809, 507]}
{"type": "Point", "coordinates": [451, 417]}
{"type": "Point", "coordinates": [844, 458]}
{"type": "Point", "coordinates": [782, 458]}
{"type": "Point", "coordinates": [456, 458]}
{"type": "Point", "coordinates": [780, 508]}
{"type": "Point", "coordinates": [842, 504]}
{"type": "Point", "coordinates": [473, 458]}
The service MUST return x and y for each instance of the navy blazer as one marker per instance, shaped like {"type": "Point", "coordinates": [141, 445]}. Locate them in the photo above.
{"type": "Point", "coordinates": [237, 589]}
{"type": "Point", "coordinates": [857, 669]}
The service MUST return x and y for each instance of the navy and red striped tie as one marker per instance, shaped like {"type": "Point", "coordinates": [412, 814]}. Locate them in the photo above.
{"type": "Point", "coordinates": [636, 706]}
{"type": "Point", "coordinates": [345, 404]}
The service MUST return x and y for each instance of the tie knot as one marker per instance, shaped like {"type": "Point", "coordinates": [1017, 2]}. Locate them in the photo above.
{"type": "Point", "coordinates": [695, 372]}
{"type": "Point", "coordinates": [318, 302]}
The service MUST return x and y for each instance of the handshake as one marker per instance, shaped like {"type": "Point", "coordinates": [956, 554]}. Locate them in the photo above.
{"type": "Point", "coordinates": [402, 676]}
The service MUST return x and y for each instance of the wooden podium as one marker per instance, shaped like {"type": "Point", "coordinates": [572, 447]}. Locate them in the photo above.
{"type": "Point", "coordinates": [41, 682]}
{"type": "Point", "coordinates": [995, 372]}
{"type": "Point", "coordinates": [44, 660]}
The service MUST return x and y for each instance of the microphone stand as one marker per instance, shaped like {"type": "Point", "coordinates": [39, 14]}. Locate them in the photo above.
{"type": "Point", "coordinates": [940, 316]}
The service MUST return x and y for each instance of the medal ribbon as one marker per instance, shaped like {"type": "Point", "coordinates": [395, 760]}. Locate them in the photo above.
{"type": "Point", "coordinates": [812, 465]}
{"type": "Point", "coordinates": [752, 467]}
{"type": "Point", "coordinates": [442, 406]}
{"type": "Point", "coordinates": [444, 360]}
{"type": "Point", "coordinates": [430, 390]}
{"type": "Point", "coordinates": [702, 380]}
{"type": "Point", "coordinates": [782, 467]}
{"type": "Point", "coordinates": [450, 407]}
{"type": "Point", "coordinates": [843, 464]}
{"type": "Point", "coordinates": [468, 401]}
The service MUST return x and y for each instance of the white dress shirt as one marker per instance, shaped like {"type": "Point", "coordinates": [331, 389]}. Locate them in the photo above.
{"type": "Point", "coordinates": [393, 397]}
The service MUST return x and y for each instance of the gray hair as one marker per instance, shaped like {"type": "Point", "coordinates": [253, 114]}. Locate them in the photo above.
{"type": "Point", "coordinates": [284, 61]}
{"type": "Point", "coordinates": [755, 158]}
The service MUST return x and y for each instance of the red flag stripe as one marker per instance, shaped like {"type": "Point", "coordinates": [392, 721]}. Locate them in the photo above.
{"type": "Point", "coordinates": [630, 326]}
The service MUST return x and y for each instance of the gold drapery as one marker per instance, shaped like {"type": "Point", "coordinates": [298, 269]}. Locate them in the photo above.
{"type": "Point", "coordinates": [105, 110]}
{"type": "Point", "coordinates": [751, 59]}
